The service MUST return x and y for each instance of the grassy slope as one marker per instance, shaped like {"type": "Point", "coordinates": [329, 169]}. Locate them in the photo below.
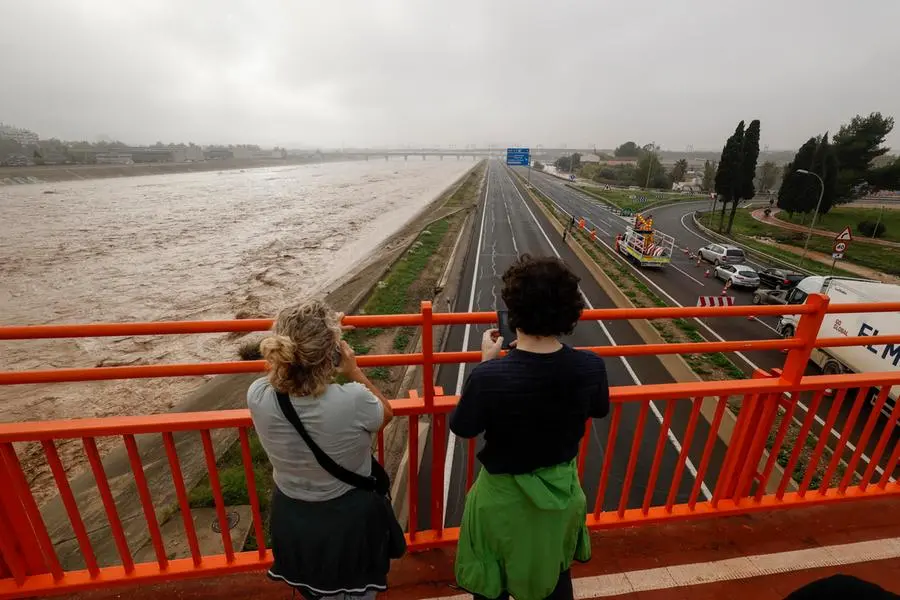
{"type": "Point", "coordinates": [842, 216]}
{"type": "Point", "coordinates": [746, 228]}
{"type": "Point", "coordinates": [627, 199]}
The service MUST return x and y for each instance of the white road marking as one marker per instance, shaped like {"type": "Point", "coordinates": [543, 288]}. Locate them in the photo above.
{"type": "Point", "coordinates": [461, 373]}
{"type": "Point", "coordinates": [656, 413]}
{"type": "Point", "coordinates": [729, 569]}
{"type": "Point", "coordinates": [688, 275]}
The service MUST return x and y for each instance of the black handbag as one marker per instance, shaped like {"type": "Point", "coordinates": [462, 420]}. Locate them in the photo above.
{"type": "Point", "coordinates": [378, 482]}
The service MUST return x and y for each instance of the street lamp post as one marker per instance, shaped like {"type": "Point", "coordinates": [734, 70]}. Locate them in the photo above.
{"type": "Point", "coordinates": [816, 212]}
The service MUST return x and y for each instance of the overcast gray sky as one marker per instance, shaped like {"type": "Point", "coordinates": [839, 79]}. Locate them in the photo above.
{"type": "Point", "coordinates": [677, 72]}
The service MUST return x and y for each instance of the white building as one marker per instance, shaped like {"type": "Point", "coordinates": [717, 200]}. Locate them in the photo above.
{"type": "Point", "coordinates": [115, 158]}
{"type": "Point", "coordinates": [25, 137]}
{"type": "Point", "coordinates": [693, 182]}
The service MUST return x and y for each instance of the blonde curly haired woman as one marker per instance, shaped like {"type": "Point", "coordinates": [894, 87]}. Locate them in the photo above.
{"type": "Point", "coordinates": [330, 537]}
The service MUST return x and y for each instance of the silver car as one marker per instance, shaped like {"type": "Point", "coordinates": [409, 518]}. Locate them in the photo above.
{"type": "Point", "coordinates": [720, 254]}
{"type": "Point", "coordinates": [738, 275]}
{"type": "Point", "coordinates": [762, 296]}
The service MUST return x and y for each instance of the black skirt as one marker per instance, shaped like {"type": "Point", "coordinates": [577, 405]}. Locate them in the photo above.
{"type": "Point", "coordinates": [340, 546]}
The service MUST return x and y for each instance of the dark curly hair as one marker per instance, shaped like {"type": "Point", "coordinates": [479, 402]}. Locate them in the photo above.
{"type": "Point", "coordinates": [542, 296]}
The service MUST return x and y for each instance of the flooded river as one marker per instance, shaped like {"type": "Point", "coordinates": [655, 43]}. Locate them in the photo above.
{"type": "Point", "coordinates": [213, 245]}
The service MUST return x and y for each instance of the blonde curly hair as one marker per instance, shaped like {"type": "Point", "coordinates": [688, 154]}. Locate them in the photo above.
{"type": "Point", "coordinates": [301, 350]}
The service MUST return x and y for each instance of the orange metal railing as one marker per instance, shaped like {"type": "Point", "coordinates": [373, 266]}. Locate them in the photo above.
{"type": "Point", "coordinates": [741, 476]}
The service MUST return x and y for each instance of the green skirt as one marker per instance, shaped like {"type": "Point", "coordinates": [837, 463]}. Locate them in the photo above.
{"type": "Point", "coordinates": [519, 532]}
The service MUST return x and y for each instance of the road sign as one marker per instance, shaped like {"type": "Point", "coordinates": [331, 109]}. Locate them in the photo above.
{"type": "Point", "coordinates": [844, 236]}
{"type": "Point", "coordinates": [518, 157]}
{"type": "Point", "coordinates": [835, 256]}
{"type": "Point", "coordinates": [839, 247]}
{"type": "Point", "coordinates": [715, 301]}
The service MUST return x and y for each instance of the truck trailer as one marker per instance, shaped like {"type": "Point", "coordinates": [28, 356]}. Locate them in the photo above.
{"type": "Point", "coordinates": [851, 359]}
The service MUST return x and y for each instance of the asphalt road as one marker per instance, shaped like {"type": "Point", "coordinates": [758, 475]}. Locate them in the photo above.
{"type": "Point", "coordinates": [508, 225]}
{"type": "Point", "coordinates": [682, 282]}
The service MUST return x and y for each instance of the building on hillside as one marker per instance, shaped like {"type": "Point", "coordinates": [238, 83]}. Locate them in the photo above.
{"type": "Point", "coordinates": [55, 158]}
{"type": "Point", "coordinates": [591, 159]}
{"type": "Point", "coordinates": [257, 153]}
{"type": "Point", "coordinates": [217, 153]}
{"type": "Point", "coordinates": [16, 160]}
{"type": "Point", "coordinates": [693, 183]}
{"type": "Point", "coordinates": [25, 137]}
{"type": "Point", "coordinates": [114, 158]}
{"type": "Point", "coordinates": [618, 162]}
{"type": "Point", "coordinates": [188, 154]}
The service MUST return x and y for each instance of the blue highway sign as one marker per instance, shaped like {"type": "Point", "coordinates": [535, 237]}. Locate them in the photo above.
{"type": "Point", "coordinates": [518, 157]}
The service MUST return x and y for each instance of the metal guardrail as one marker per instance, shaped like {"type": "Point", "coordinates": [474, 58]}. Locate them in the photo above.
{"type": "Point", "coordinates": [759, 255]}
{"type": "Point", "coordinates": [29, 564]}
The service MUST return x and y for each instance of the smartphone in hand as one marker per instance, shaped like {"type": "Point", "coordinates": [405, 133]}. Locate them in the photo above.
{"type": "Point", "coordinates": [506, 332]}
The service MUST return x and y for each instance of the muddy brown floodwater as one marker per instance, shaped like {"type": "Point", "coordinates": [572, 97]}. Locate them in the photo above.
{"type": "Point", "coordinates": [215, 245]}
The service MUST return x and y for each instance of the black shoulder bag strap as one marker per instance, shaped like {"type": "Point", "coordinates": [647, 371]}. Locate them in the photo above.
{"type": "Point", "coordinates": [325, 461]}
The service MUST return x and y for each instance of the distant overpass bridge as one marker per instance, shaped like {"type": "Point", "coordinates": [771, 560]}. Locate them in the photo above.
{"type": "Point", "coordinates": [459, 153]}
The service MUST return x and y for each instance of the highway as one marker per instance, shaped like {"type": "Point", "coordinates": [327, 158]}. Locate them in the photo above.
{"type": "Point", "coordinates": [507, 225]}
{"type": "Point", "coordinates": [682, 282]}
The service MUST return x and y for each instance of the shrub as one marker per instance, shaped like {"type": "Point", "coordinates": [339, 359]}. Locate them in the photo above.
{"type": "Point", "coordinates": [249, 350]}
{"type": "Point", "coordinates": [868, 228]}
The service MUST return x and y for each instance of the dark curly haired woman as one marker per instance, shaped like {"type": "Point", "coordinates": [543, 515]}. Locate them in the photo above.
{"type": "Point", "coordinates": [524, 520]}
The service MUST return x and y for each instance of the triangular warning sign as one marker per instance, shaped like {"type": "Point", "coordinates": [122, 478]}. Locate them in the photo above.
{"type": "Point", "coordinates": [844, 236]}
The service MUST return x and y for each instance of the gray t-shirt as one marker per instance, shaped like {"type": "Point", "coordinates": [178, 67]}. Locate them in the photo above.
{"type": "Point", "coordinates": [342, 421]}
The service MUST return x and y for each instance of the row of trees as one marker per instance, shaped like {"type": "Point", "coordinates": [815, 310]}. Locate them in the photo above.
{"type": "Point", "coordinates": [736, 172]}
{"type": "Point", "coordinates": [648, 171]}
{"type": "Point", "coordinates": [76, 152]}
{"type": "Point", "coordinates": [850, 165]}
{"type": "Point", "coordinates": [568, 164]}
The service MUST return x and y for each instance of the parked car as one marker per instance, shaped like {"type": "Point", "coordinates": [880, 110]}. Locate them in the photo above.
{"type": "Point", "coordinates": [765, 296]}
{"type": "Point", "coordinates": [719, 254]}
{"type": "Point", "coordinates": [779, 279]}
{"type": "Point", "coordinates": [739, 275]}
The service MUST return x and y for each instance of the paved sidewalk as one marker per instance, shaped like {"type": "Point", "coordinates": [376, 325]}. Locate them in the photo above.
{"type": "Point", "coordinates": [763, 556]}
{"type": "Point", "coordinates": [759, 215]}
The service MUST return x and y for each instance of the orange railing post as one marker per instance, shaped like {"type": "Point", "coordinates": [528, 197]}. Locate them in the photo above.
{"type": "Point", "coordinates": [438, 420]}
{"type": "Point", "coordinates": [807, 332]}
{"type": "Point", "coordinates": [21, 548]}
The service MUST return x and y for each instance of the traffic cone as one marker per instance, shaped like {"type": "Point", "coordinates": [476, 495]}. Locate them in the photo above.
{"type": "Point", "coordinates": [687, 250]}
{"type": "Point", "coordinates": [724, 291]}
{"type": "Point", "coordinates": [706, 274]}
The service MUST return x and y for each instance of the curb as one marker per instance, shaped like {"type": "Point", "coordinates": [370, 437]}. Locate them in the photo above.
{"type": "Point", "coordinates": [447, 284]}
{"type": "Point", "coordinates": [749, 251]}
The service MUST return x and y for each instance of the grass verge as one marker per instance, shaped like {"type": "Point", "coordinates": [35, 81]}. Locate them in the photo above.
{"type": "Point", "coordinates": [750, 232]}
{"type": "Point", "coordinates": [234, 485]}
{"type": "Point", "coordinates": [842, 216]}
{"type": "Point", "coordinates": [630, 199]}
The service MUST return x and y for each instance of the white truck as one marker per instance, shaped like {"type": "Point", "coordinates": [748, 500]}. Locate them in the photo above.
{"type": "Point", "coordinates": [851, 359]}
